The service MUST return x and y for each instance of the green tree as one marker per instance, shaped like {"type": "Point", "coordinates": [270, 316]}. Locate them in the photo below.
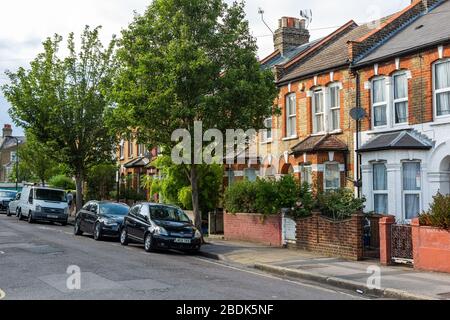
{"type": "Point", "coordinates": [35, 157]}
{"type": "Point", "coordinates": [63, 102]}
{"type": "Point", "coordinates": [62, 182]}
{"type": "Point", "coordinates": [190, 60]}
{"type": "Point", "coordinates": [101, 181]}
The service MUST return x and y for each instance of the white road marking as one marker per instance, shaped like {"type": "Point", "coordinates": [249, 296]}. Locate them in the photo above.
{"type": "Point", "coordinates": [277, 278]}
{"type": "Point", "coordinates": [2, 294]}
{"type": "Point", "coordinates": [2, 252]}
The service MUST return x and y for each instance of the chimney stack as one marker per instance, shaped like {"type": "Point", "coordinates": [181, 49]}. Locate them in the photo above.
{"type": "Point", "coordinates": [290, 34]}
{"type": "Point", "coordinates": [7, 130]}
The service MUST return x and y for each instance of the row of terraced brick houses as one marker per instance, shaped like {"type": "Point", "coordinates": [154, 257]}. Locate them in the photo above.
{"type": "Point", "coordinates": [397, 70]}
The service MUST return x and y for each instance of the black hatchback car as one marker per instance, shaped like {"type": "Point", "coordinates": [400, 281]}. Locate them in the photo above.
{"type": "Point", "coordinates": [160, 227]}
{"type": "Point", "coordinates": [101, 218]}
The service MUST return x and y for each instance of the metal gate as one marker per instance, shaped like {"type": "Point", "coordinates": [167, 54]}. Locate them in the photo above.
{"type": "Point", "coordinates": [401, 243]}
{"type": "Point", "coordinates": [289, 229]}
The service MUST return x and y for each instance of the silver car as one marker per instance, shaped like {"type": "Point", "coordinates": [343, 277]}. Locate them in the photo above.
{"type": "Point", "coordinates": [13, 207]}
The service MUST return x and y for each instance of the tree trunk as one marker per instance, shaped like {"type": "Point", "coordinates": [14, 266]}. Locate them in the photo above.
{"type": "Point", "coordinates": [79, 196]}
{"type": "Point", "coordinates": [195, 201]}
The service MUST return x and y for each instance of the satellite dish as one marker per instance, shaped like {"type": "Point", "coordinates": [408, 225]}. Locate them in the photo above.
{"type": "Point", "coordinates": [358, 113]}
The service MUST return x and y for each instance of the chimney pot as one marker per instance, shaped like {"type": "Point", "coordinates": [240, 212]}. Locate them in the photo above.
{"type": "Point", "coordinates": [7, 130]}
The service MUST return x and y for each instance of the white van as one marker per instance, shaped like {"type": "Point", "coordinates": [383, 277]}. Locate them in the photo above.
{"type": "Point", "coordinates": [44, 204]}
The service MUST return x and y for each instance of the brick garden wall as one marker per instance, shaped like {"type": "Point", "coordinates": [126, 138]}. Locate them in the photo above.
{"type": "Point", "coordinates": [334, 238]}
{"type": "Point", "coordinates": [253, 228]}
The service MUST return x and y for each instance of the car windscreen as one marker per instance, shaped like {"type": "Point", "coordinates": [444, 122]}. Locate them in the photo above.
{"type": "Point", "coordinates": [50, 195]}
{"type": "Point", "coordinates": [168, 214]}
{"type": "Point", "coordinates": [114, 209]}
{"type": "Point", "coordinates": [7, 194]}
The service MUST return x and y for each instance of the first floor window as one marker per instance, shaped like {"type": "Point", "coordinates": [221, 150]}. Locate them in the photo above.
{"type": "Point", "coordinates": [230, 177]}
{"type": "Point", "coordinates": [442, 88]}
{"type": "Point", "coordinates": [380, 188]}
{"type": "Point", "coordinates": [121, 150]}
{"type": "Point", "coordinates": [412, 186]}
{"type": "Point", "coordinates": [379, 102]}
{"type": "Point", "coordinates": [13, 156]}
{"type": "Point", "coordinates": [130, 148]}
{"type": "Point", "coordinates": [335, 108]}
{"type": "Point", "coordinates": [318, 112]}
{"type": "Point", "coordinates": [268, 129]}
{"type": "Point", "coordinates": [401, 98]}
{"type": "Point", "coordinates": [306, 172]}
{"type": "Point", "coordinates": [291, 116]}
{"type": "Point", "coordinates": [250, 174]}
{"type": "Point", "coordinates": [332, 176]}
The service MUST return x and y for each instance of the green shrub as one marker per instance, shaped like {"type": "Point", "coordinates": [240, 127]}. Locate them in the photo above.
{"type": "Point", "coordinates": [62, 182]}
{"type": "Point", "coordinates": [268, 197]}
{"type": "Point", "coordinates": [185, 198]}
{"type": "Point", "coordinates": [339, 204]}
{"type": "Point", "coordinates": [439, 214]}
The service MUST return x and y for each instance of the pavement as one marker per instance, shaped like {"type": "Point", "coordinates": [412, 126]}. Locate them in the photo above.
{"type": "Point", "coordinates": [396, 282]}
{"type": "Point", "coordinates": [41, 262]}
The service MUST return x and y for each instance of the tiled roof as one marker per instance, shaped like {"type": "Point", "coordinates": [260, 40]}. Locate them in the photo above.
{"type": "Point", "coordinates": [320, 143]}
{"type": "Point", "coordinates": [400, 140]}
{"type": "Point", "coordinates": [7, 143]}
{"type": "Point", "coordinates": [137, 163]}
{"type": "Point", "coordinates": [332, 55]}
{"type": "Point", "coordinates": [429, 29]}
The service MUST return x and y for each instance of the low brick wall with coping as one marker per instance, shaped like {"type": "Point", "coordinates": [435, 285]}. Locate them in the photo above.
{"type": "Point", "coordinates": [255, 228]}
{"type": "Point", "coordinates": [330, 237]}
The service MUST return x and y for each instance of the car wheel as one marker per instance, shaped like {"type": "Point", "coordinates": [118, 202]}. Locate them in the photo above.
{"type": "Point", "coordinates": [64, 223]}
{"type": "Point", "coordinates": [124, 237]}
{"type": "Point", "coordinates": [76, 229]}
{"type": "Point", "coordinates": [30, 218]}
{"type": "Point", "coordinates": [8, 212]}
{"type": "Point", "coordinates": [148, 243]}
{"type": "Point", "coordinates": [20, 215]}
{"type": "Point", "coordinates": [97, 232]}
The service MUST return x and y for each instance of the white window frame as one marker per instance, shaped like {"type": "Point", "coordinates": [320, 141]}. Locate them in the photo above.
{"type": "Point", "coordinates": [411, 192]}
{"type": "Point", "coordinates": [400, 100]}
{"type": "Point", "coordinates": [267, 132]}
{"type": "Point", "coordinates": [325, 175]}
{"type": "Point", "coordinates": [380, 104]}
{"type": "Point", "coordinates": [437, 91]}
{"type": "Point", "coordinates": [13, 155]}
{"type": "Point", "coordinates": [303, 169]}
{"type": "Point", "coordinates": [380, 192]}
{"type": "Point", "coordinates": [315, 114]}
{"type": "Point", "coordinates": [122, 150]}
{"type": "Point", "coordinates": [291, 132]}
{"type": "Point", "coordinates": [130, 149]}
{"type": "Point", "coordinates": [337, 86]}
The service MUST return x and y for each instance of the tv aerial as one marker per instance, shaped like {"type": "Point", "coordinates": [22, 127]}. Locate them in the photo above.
{"type": "Point", "coordinates": [307, 14]}
{"type": "Point", "coordinates": [261, 12]}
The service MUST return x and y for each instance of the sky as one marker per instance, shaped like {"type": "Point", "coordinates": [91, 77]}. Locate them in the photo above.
{"type": "Point", "coordinates": [26, 23]}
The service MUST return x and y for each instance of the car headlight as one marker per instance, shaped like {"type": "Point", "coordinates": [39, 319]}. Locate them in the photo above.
{"type": "Point", "coordinates": [160, 231]}
{"type": "Point", "coordinates": [38, 209]}
{"type": "Point", "coordinates": [108, 222]}
{"type": "Point", "coordinates": [198, 234]}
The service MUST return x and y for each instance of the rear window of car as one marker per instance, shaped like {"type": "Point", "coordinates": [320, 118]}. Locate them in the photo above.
{"type": "Point", "coordinates": [50, 195]}
{"type": "Point", "coordinates": [7, 194]}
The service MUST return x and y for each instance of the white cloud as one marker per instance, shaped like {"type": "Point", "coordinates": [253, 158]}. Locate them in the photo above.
{"type": "Point", "coordinates": [25, 23]}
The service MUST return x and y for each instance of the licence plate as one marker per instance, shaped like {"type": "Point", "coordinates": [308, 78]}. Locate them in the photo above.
{"type": "Point", "coordinates": [52, 216]}
{"type": "Point", "coordinates": [187, 241]}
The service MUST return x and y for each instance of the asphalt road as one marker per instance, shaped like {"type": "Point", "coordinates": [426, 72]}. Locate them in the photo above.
{"type": "Point", "coordinates": [34, 259]}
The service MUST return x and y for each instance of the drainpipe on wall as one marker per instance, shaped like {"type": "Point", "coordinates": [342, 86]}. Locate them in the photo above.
{"type": "Point", "coordinates": [358, 129]}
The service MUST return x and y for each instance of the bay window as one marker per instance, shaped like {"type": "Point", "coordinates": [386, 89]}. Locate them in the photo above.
{"type": "Point", "coordinates": [442, 88]}
{"type": "Point", "coordinates": [250, 175]}
{"type": "Point", "coordinates": [400, 98]}
{"type": "Point", "coordinates": [379, 102]}
{"type": "Point", "coordinates": [318, 112]}
{"type": "Point", "coordinates": [412, 186]}
{"type": "Point", "coordinates": [380, 188]}
{"type": "Point", "coordinates": [306, 174]}
{"type": "Point", "coordinates": [335, 107]}
{"type": "Point", "coordinates": [291, 116]}
{"type": "Point", "coordinates": [332, 176]}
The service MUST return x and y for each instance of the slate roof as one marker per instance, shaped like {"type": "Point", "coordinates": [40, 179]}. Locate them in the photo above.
{"type": "Point", "coordinates": [332, 55]}
{"type": "Point", "coordinates": [6, 143]}
{"type": "Point", "coordinates": [278, 59]}
{"type": "Point", "coordinates": [137, 163]}
{"type": "Point", "coordinates": [429, 29]}
{"type": "Point", "coordinates": [400, 140]}
{"type": "Point", "coordinates": [320, 143]}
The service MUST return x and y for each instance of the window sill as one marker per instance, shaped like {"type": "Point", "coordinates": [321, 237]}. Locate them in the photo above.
{"type": "Point", "coordinates": [389, 129]}
{"type": "Point", "coordinates": [290, 138]}
{"type": "Point", "coordinates": [440, 122]}
{"type": "Point", "coordinates": [318, 134]}
{"type": "Point", "coordinates": [267, 141]}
